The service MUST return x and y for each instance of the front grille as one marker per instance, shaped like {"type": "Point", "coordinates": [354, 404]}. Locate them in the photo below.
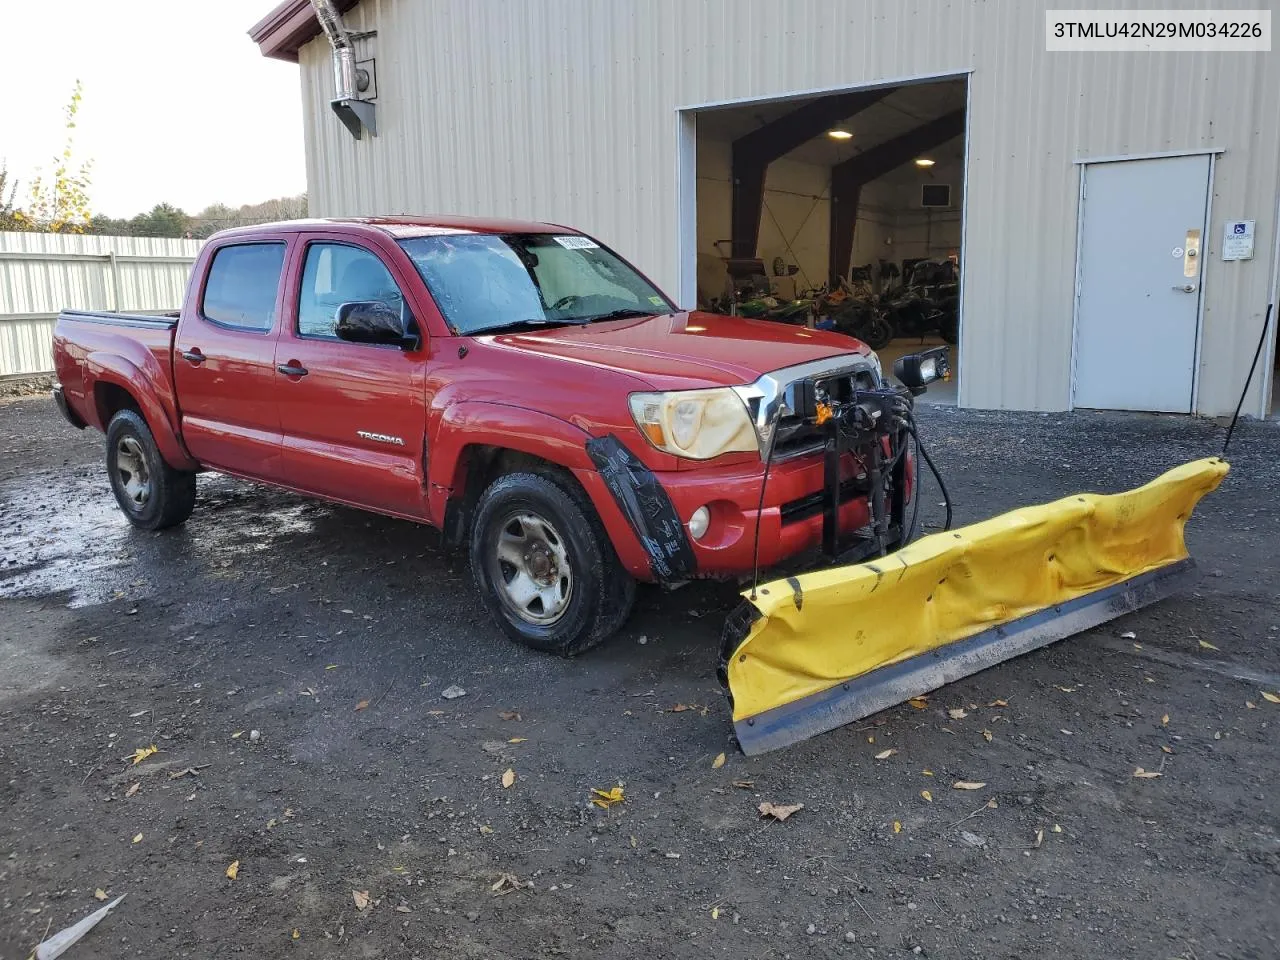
{"type": "Point", "coordinates": [808, 506]}
{"type": "Point", "coordinates": [797, 437]}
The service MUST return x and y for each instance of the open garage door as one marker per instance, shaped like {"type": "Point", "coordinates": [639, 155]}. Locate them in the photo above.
{"type": "Point", "coordinates": [843, 210]}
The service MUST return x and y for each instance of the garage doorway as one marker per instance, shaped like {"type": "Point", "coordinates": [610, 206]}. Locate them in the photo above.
{"type": "Point", "coordinates": [830, 209]}
{"type": "Point", "coordinates": [1139, 282]}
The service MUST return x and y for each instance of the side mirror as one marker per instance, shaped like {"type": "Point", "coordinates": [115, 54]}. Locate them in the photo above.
{"type": "Point", "coordinates": [373, 321]}
{"type": "Point", "coordinates": [917, 370]}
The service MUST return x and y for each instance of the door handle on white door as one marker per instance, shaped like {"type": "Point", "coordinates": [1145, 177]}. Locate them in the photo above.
{"type": "Point", "coordinates": [1185, 287]}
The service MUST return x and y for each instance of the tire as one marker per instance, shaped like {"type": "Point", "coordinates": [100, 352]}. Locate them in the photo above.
{"type": "Point", "coordinates": [537, 533]}
{"type": "Point", "coordinates": [878, 332]}
{"type": "Point", "coordinates": [152, 494]}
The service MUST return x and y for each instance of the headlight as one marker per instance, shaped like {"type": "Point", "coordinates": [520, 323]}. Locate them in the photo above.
{"type": "Point", "coordinates": [698, 424]}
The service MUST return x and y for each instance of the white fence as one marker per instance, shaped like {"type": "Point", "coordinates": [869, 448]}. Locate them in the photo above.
{"type": "Point", "coordinates": [42, 273]}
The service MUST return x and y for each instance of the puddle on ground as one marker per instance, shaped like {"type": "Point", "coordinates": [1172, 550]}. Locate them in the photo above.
{"type": "Point", "coordinates": [67, 534]}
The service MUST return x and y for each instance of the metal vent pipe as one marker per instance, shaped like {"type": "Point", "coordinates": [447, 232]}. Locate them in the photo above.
{"type": "Point", "coordinates": [354, 111]}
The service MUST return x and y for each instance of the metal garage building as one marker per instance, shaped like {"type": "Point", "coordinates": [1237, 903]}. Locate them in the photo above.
{"type": "Point", "coordinates": [1090, 180]}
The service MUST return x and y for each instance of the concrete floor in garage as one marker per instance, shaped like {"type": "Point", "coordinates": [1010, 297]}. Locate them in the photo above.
{"type": "Point", "coordinates": [333, 634]}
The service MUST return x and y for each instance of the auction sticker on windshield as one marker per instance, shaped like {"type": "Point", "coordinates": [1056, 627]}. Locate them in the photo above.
{"type": "Point", "coordinates": [576, 242]}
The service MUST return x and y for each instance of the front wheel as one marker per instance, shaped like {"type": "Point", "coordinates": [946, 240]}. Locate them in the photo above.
{"type": "Point", "coordinates": [544, 565]}
{"type": "Point", "coordinates": [152, 494]}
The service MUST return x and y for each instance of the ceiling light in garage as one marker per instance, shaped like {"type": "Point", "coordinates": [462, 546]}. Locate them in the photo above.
{"type": "Point", "coordinates": [923, 162]}
{"type": "Point", "coordinates": [839, 134]}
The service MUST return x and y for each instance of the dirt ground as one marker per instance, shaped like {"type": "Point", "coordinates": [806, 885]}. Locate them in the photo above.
{"type": "Point", "coordinates": [288, 659]}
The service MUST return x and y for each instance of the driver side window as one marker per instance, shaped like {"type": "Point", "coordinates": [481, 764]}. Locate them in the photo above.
{"type": "Point", "coordinates": [334, 274]}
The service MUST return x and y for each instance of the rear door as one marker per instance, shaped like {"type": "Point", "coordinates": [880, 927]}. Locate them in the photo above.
{"type": "Point", "coordinates": [224, 359]}
{"type": "Point", "coordinates": [353, 415]}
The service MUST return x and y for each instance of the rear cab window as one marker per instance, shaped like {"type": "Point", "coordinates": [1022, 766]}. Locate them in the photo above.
{"type": "Point", "coordinates": [242, 285]}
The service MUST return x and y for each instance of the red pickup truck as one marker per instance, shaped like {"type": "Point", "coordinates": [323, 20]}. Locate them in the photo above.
{"type": "Point", "coordinates": [517, 385]}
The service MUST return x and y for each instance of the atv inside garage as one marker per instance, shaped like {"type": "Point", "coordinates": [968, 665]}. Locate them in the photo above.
{"type": "Point", "coordinates": [840, 211]}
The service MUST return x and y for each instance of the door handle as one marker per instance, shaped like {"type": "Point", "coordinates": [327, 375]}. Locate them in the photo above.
{"type": "Point", "coordinates": [195, 356]}
{"type": "Point", "coordinates": [1185, 287]}
{"type": "Point", "coordinates": [292, 369]}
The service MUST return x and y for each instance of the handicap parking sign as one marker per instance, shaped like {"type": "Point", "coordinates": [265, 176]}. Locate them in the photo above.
{"type": "Point", "coordinates": [1237, 240]}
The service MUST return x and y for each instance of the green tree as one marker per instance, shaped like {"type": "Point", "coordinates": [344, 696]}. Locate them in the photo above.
{"type": "Point", "coordinates": [162, 220]}
{"type": "Point", "coordinates": [60, 199]}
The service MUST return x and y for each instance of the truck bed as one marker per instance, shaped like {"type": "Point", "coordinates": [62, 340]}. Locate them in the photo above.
{"type": "Point", "coordinates": [92, 348]}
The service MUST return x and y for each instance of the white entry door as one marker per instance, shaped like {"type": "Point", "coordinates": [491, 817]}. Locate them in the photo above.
{"type": "Point", "coordinates": [1142, 239]}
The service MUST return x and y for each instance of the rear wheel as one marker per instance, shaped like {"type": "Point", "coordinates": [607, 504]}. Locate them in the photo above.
{"type": "Point", "coordinates": [544, 565]}
{"type": "Point", "coordinates": [152, 494]}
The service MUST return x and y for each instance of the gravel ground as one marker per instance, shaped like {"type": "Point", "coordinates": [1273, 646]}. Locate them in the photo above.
{"type": "Point", "coordinates": [288, 660]}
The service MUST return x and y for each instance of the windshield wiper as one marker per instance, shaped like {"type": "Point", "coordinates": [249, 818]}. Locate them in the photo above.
{"type": "Point", "coordinates": [527, 322]}
{"type": "Point", "coordinates": [624, 314]}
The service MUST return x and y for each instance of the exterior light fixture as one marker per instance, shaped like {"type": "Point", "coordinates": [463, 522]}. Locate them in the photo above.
{"type": "Point", "coordinates": [839, 134]}
{"type": "Point", "coordinates": [923, 162]}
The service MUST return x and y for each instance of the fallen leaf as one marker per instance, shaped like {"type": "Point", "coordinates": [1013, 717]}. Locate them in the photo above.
{"type": "Point", "coordinates": [885, 754]}
{"type": "Point", "coordinates": [957, 713]}
{"type": "Point", "coordinates": [968, 785]}
{"type": "Point", "coordinates": [1270, 697]}
{"type": "Point", "coordinates": [233, 871]}
{"type": "Point", "coordinates": [1167, 749]}
{"type": "Point", "coordinates": [518, 740]}
{"type": "Point", "coordinates": [1206, 645]}
{"type": "Point", "coordinates": [871, 738]}
{"type": "Point", "coordinates": [137, 839]}
{"type": "Point", "coordinates": [133, 788]}
{"type": "Point", "coordinates": [633, 843]}
{"type": "Point", "coordinates": [138, 713]}
{"type": "Point", "coordinates": [991, 804]}
{"type": "Point", "coordinates": [361, 898]}
{"type": "Point", "coordinates": [404, 908]}
{"type": "Point", "coordinates": [1039, 838]}
{"type": "Point", "coordinates": [1147, 774]}
{"type": "Point", "coordinates": [988, 736]}
{"type": "Point", "coordinates": [485, 829]}
{"type": "Point", "coordinates": [237, 735]}
{"type": "Point", "coordinates": [142, 753]}
{"type": "Point", "coordinates": [453, 692]}
{"type": "Point", "coordinates": [1068, 689]}
{"type": "Point", "coordinates": [1164, 721]}
{"type": "Point", "coordinates": [1128, 635]}
{"type": "Point", "coordinates": [184, 772]}
{"type": "Point", "coordinates": [744, 784]}
{"type": "Point", "coordinates": [297, 934]}
{"type": "Point", "coordinates": [779, 811]}
{"type": "Point", "coordinates": [332, 666]}
{"type": "Point", "coordinates": [1250, 705]}
{"type": "Point", "coordinates": [506, 883]}
{"type": "Point", "coordinates": [362, 705]}
{"type": "Point", "coordinates": [604, 799]}
{"type": "Point", "coordinates": [508, 778]}
{"type": "Point", "coordinates": [715, 913]}
{"type": "Point", "coordinates": [508, 715]}
{"type": "Point", "coordinates": [897, 827]}
{"type": "Point", "coordinates": [99, 894]}
{"type": "Point", "coordinates": [680, 708]}
{"type": "Point", "coordinates": [1057, 828]}
{"type": "Point", "coordinates": [927, 795]}
{"type": "Point", "coordinates": [998, 703]}
{"type": "Point", "coordinates": [919, 703]}
{"type": "Point", "coordinates": [718, 762]}
{"type": "Point", "coordinates": [1069, 733]}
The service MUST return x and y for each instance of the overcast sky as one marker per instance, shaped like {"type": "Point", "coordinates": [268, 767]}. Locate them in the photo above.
{"type": "Point", "coordinates": [178, 106]}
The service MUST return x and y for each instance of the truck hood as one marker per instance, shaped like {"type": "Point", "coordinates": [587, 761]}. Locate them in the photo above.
{"type": "Point", "coordinates": [683, 350]}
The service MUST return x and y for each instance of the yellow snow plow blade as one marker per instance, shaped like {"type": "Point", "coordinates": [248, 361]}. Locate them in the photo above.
{"type": "Point", "coordinates": [822, 649]}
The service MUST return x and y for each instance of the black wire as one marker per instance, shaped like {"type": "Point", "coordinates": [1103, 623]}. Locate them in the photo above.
{"type": "Point", "coordinates": [1266, 324]}
{"type": "Point", "coordinates": [916, 492]}
{"type": "Point", "coordinates": [764, 482]}
{"type": "Point", "coordinates": [946, 497]}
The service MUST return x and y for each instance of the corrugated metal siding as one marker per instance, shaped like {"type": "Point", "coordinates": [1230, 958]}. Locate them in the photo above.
{"type": "Point", "coordinates": [565, 110]}
{"type": "Point", "coordinates": [42, 273]}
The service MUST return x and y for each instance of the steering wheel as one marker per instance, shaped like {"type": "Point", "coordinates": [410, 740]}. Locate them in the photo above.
{"type": "Point", "coordinates": [564, 302]}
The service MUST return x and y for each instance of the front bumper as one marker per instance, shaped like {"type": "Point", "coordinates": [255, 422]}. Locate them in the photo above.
{"type": "Point", "coordinates": [790, 520]}
{"type": "Point", "coordinates": [647, 513]}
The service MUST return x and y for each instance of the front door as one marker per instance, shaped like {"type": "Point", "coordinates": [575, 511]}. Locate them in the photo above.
{"type": "Point", "coordinates": [1142, 240]}
{"type": "Point", "coordinates": [352, 415]}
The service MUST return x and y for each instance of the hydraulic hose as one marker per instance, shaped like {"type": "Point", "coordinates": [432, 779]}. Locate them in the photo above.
{"type": "Point", "coordinates": [946, 497]}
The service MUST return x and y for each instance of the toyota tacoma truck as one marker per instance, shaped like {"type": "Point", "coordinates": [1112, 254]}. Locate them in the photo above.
{"type": "Point", "coordinates": [517, 385]}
